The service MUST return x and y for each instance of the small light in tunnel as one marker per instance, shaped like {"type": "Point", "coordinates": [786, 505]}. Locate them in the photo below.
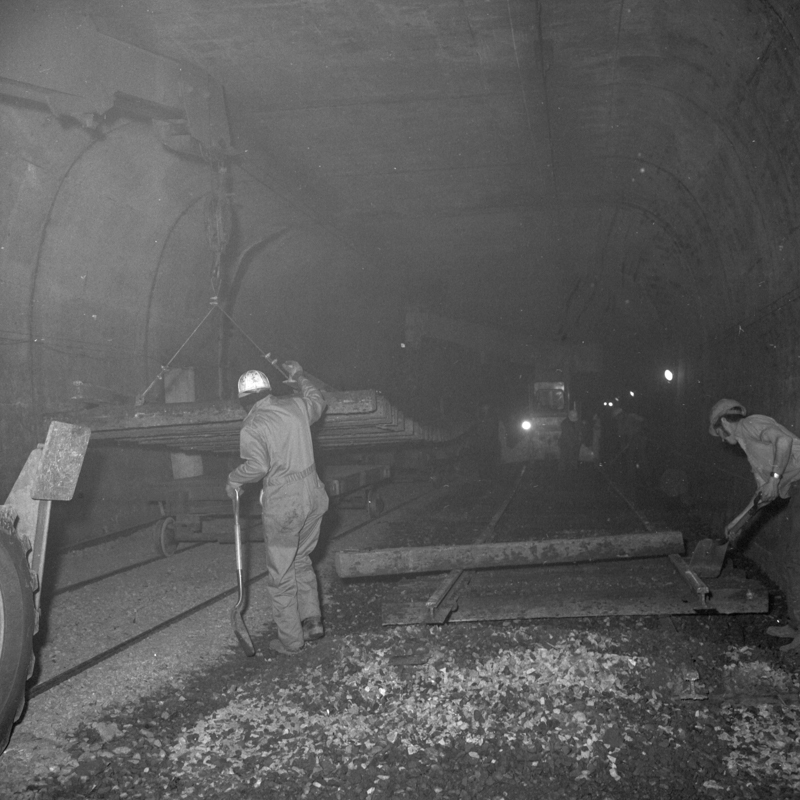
{"type": "Point", "coordinates": [402, 345]}
{"type": "Point", "coordinates": [526, 425]}
{"type": "Point", "coordinates": [632, 394]}
{"type": "Point", "coordinates": [668, 374]}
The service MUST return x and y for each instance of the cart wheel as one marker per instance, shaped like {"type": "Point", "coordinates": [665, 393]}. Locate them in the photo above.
{"type": "Point", "coordinates": [375, 504]}
{"type": "Point", "coordinates": [165, 541]}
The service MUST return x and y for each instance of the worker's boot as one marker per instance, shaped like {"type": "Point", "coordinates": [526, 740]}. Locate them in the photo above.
{"type": "Point", "coordinates": [312, 629]}
{"type": "Point", "coordinates": [279, 647]}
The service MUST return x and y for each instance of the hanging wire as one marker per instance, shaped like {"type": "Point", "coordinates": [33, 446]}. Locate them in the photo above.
{"type": "Point", "coordinates": [761, 314]}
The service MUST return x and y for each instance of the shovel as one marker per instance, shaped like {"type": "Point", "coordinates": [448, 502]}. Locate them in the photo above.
{"type": "Point", "coordinates": [709, 554]}
{"type": "Point", "coordinates": [239, 628]}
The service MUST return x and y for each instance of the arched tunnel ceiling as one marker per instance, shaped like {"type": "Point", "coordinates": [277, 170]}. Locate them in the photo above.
{"type": "Point", "coordinates": [570, 168]}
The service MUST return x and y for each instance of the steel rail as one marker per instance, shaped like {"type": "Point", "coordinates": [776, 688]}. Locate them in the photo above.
{"type": "Point", "coordinates": [99, 658]}
{"type": "Point", "coordinates": [98, 578]}
{"type": "Point", "coordinates": [189, 546]}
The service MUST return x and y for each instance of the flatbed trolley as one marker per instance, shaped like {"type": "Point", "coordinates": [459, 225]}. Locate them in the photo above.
{"type": "Point", "coordinates": [198, 510]}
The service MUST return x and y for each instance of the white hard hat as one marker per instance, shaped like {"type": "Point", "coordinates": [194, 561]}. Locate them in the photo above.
{"type": "Point", "coordinates": [253, 381]}
{"type": "Point", "coordinates": [721, 408]}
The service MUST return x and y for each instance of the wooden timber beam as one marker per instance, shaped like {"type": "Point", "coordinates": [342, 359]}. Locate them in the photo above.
{"type": "Point", "coordinates": [441, 558]}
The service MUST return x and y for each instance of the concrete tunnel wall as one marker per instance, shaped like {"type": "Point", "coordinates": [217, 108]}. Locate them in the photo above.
{"type": "Point", "coordinates": [107, 273]}
{"type": "Point", "coordinates": [748, 348]}
{"type": "Point", "coordinates": [105, 269]}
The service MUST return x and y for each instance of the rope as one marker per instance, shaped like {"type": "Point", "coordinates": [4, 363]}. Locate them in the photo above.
{"type": "Point", "coordinates": [235, 325]}
{"type": "Point", "coordinates": [268, 356]}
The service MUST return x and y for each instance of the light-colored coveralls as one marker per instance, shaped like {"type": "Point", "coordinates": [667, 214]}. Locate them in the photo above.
{"type": "Point", "coordinates": [275, 445]}
{"type": "Point", "coordinates": [772, 448]}
{"type": "Point", "coordinates": [757, 435]}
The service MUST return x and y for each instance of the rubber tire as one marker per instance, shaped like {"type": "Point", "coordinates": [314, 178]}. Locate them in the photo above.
{"type": "Point", "coordinates": [17, 623]}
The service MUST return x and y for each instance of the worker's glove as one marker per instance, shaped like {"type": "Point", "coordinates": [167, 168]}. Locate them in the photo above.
{"type": "Point", "coordinates": [231, 489]}
{"type": "Point", "coordinates": [292, 369]}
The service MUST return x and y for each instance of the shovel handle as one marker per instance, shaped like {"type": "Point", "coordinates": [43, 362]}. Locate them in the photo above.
{"type": "Point", "coordinates": [737, 524]}
{"type": "Point", "coordinates": [237, 530]}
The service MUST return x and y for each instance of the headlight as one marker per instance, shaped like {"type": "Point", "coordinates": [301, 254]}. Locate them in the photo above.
{"type": "Point", "coordinates": [526, 425]}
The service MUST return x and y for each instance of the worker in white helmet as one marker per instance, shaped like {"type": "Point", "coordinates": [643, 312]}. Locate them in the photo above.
{"type": "Point", "coordinates": [276, 449]}
{"type": "Point", "coordinates": [774, 455]}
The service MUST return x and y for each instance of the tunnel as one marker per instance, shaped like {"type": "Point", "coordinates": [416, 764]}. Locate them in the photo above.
{"type": "Point", "coordinates": [452, 214]}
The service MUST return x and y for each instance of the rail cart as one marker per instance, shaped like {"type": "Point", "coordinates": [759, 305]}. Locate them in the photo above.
{"type": "Point", "coordinates": [198, 510]}
{"type": "Point", "coordinates": [192, 509]}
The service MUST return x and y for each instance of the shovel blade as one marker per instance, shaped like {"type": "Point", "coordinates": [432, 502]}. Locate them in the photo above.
{"type": "Point", "coordinates": [708, 558]}
{"type": "Point", "coordinates": [242, 634]}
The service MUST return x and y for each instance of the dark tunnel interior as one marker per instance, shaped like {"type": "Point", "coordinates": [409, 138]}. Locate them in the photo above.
{"type": "Point", "coordinates": [456, 210]}
{"type": "Point", "coordinates": [445, 204]}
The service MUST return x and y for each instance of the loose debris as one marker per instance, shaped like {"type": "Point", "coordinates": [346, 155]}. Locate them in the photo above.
{"type": "Point", "coordinates": [488, 712]}
{"type": "Point", "coordinates": [577, 709]}
{"type": "Point", "coordinates": [514, 697]}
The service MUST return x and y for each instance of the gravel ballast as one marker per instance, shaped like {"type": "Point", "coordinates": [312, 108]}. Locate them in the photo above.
{"type": "Point", "coordinates": [632, 707]}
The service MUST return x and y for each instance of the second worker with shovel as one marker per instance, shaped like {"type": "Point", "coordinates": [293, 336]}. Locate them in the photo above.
{"type": "Point", "coordinates": [276, 449]}
{"type": "Point", "coordinates": [772, 450]}
{"type": "Point", "coordinates": [774, 455]}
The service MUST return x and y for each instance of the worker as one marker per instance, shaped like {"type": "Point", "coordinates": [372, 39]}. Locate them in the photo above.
{"type": "Point", "coordinates": [774, 455]}
{"type": "Point", "coordinates": [772, 450]}
{"type": "Point", "coordinates": [276, 448]}
{"type": "Point", "coordinates": [569, 443]}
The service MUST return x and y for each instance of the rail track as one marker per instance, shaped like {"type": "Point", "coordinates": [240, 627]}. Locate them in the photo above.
{"type": "Point", "coordinates": [619, 500]}
{"type": "Point", "coordinates": [98, 658]}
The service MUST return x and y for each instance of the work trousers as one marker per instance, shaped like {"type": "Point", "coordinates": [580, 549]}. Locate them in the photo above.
{"type": "Point", "coordinates": [292, 515]}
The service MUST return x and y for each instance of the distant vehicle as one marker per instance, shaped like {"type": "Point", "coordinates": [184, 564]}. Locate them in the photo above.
{"type": "Point", "coordinates": [534, 435]}
{"type": "Point", "coordinates": [543, 370]}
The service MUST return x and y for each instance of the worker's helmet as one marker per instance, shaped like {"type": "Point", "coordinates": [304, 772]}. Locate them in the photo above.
{"type": "Point", "coordinates": [720, 409]}
{"type": "Point", "coordinates": [252, 382]}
